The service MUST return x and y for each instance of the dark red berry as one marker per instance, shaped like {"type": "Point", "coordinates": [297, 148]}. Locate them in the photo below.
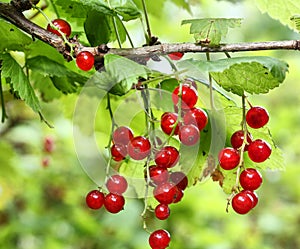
{"type": "Point", "coordinates": [165, 193]}
{"type": "Point", "coordinates": [237, 140]}
{"type": "Point", "coordinates": [118, 152]}
{"type": "Point", "coordinates": [139, 148]}
{"type": "Point", "coordinates": [162, 211]}
{"type": "Point", "coordinates": [189, 134]}
{"type": "Point", "coordinates": [259, 151]}
{"type": "Point", "coordinates": [188, 95]}
{"type": "Point", "coordinates": [159, 239]}
{"type": "Point", "coordinates": [175, 56]}
{"type": "Point", "coordinates": [122, 135]}
{"type": "Point", "coordinates": [61, 25]}
{"type": "Point", "coordinates": [114, 203]}
{"type": "Point", "coordinates": [179, 195]}
{"type": "Point", "coordinates": [95, 199]}
{"type": "Point", "coordinates": [196, 116]}
{"type": "Point", "coordinates": [250, 179]}
{"type": "Point", "coordinates": [179, 179]}
{"type": "Point", "coordinates": [242, 203]}
{"type": "Point", "coordinates": [168, 122]}
{"type": "Point", "coordinates": [167, 157]}
{"type": "Point", "coordinates": [116, 184]}
{"type": "Point", "coordinates": [253, 196]}
{"type": "Point", "coordinates": [229, 158]}
{"type": "Point", "coordinates": [158, 174]}
{"type": "Point", "coordinates": [257, 117]}
{"type": "Point", "coordinates": [85, 60]}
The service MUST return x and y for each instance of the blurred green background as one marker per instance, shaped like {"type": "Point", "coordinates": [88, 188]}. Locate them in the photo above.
{"type": "Point", "coordinates": [44, 206]}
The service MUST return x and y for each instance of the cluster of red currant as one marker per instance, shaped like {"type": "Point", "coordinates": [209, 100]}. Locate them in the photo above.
{"type": "Point", "coordinates": [258, 150]}
{"type": "Point", "coordinates": [84, 59]}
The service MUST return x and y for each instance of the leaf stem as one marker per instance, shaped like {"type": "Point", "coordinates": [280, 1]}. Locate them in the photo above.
{"type": "Point", "coordinates": [117, 32]}
{"type": "Point", "coordinates": [126, 31]}
{"type": "Point", "coordinates": [211, 96]}
{"type": "Point", "coordinates": [4, 114]}
{"type": "Point", "coordinates": [54, 8]}
{"type": "Point", "coordinates": [147, 21]}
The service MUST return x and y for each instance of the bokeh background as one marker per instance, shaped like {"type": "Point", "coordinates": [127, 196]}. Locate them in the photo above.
{"type": "Point", "coordinates": [42, 195]}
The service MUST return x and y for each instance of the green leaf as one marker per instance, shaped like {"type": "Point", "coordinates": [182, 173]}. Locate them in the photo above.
{"type": "Point", "coordinates": [12, 38]}
{"type": "Point", "coordinates": [296, 20]}
{"type": "Point", "coordinates": [126, 8]}
{"type": "Point", "coordinates": [20, 83]}
{"type": "Point", "coordinates": [281, 10]}
{"type": "Point", "coordinates": [211, 30]}
{"type": "Point", "coordinates": [121, 73]}
{"type": "Point", "coordinates": [257, 74]}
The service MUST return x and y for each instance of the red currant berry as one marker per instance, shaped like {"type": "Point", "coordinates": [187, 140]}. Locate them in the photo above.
{"type": "Point", "coordinates": [114, 203]}
{"type": "Point", "coordinates": [49, 144]}
{"type": "Point", "coordinates": [242, 203]}
{"type": "Point", "coordinates": [175, 56]}
{"type": "Point", "coordinates": [165, 193]}
{"type": "Point", "coordinates": [168, 122]}
{"type": "Point", "coordinates": [229, 158]}
{"type": "Point", "coordinates": [250, 179]}
{"type": "Point", "coordinates": [188, 95]}
{"type": "Point", "coordinates": [94, 199]}
{"type": "Point", "coordinates": [259, 151]}
{"type": "Point", "coordinates": [179, 179]}
{"type": "Point", "coordinates": [257, 117]}
{"type": "Point", "coordinates": [158, 174]}
{"type": "Point", "coordinates": [237, 140]}
{"type": "Point", "coordinates": [139, 148]}
{"type": "Point", "coordinates": [162, 211]}
{"type": "Point", "coordinates": [159, 239]}
{"type": "Point", "coordinates": [116, 184]}
{"type": "Point", "coordinates": [118, 152]}
{"type": "Point", "coordinates": [189, 134]}
{"type": "Point", "coordinates": [122, 135]}
{"type": "Point", "coordinates": [85, 60]}
{"type": "Point", "coordinates": [196, 116]}
{"type": "Point", "coordinates": [61, 25]}
{"type": "Point", "coordinates": [179, 195]}
{"type": "Point", "coordinates": [253, 195]}
{"type": "Point", "coordinates": [167, 157]}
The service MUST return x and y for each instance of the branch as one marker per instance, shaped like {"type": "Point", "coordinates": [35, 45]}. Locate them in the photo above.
{"type": "Point", "coordinates": [14, 16]}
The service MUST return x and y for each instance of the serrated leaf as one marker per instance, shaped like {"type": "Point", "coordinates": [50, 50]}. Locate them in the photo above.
{"type": "Point", "coordinates": [12, 38]}
{"type": "Point", "coordinates": [211, 30]}
{"type": "Point", "coordinates": [121, 73]}
{"type": "Point", "coordinates": [126, 8]}
{"type": "Point", "coordinates": [281, 10]}
{"type": "Point", "coordinates": [20, 83]}
{"type": "Point", "coordinates": [296, 20]}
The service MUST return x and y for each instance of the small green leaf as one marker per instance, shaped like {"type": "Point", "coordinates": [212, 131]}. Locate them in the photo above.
{"type": "Point", "coordinates": [12, 38]}
{"type": "Point", "coordinates": [211, 30]}
{"type": "Point", "coordinates": [126, 8]}
{"type": "Point", "coordinates": [121, 73]}
{"type": "Point", "coordinates": [20, 83]}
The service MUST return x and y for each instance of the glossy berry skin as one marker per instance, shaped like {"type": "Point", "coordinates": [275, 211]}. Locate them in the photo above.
{"type": "Point", "coordinates": [158, 175]}
{"type": "Point", "coordinates": [179, 179]}
{"type": "Point", "coordinates": [114, 203]}
{"type": "Point", "coordinates": [229, 158]}
{"type": "Point", "coordinates": [189, 96]}
{"type": "Point", "coordinates": [259, 151]}
{"type": "Point", "coordinates": [139, 148]}
{"type": "Point", "coordinates": [122, 135]}
{"type": "Point", "coordinates": [179, 195]}
{"type": "Point", "coordinates": [85, 60]}
{"type": "Point", "coordinates": [167, 157]}
{"type": "Point", "coordinates": [116, 184]}
{"type": "Point", "coordinates": [168, 122]}
{"type": "Point", "coordinates": [165, 193]}
{"type": "Point", "coordinates": [162, 211]}
{"type": "Point", "coordinates": [189, 135]}
{"type": "Point", "coordinates": [95, 199]}
{"type": "Point", "coordinates": [250, 179]}
{"type": "Point", "coordinates": [118, 152]}
{"type": "Point", "coordinates": [242, 203]}
{"type": "Point", "coordinates": [253, 195]}
{"type": "Point", "coordinates": [159, 239]}
{"type": "Point", "coordinates": [257, 117]}
{"type": "Point", "coordinates": [237, 140]}
{"type": "Point", "coordinates": [62, 25]}
{"type": "Point", "coordinates": [175, 56]}
{"type": "Point", "coordinates": [196, 116]}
